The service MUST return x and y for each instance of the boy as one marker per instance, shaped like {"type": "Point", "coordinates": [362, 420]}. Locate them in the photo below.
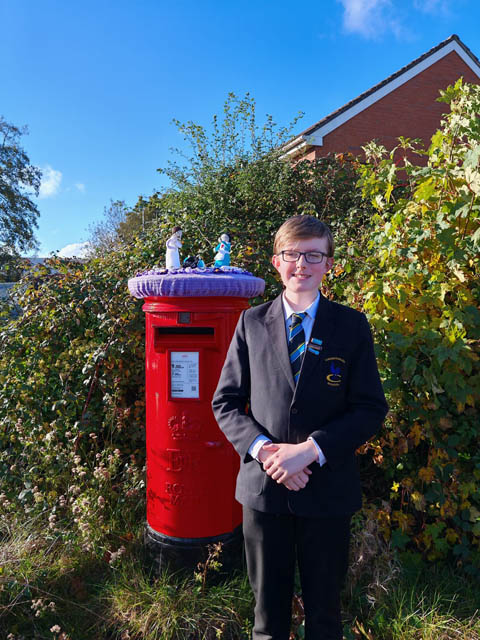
{"type": "Point", "coordinates": [298, 394]}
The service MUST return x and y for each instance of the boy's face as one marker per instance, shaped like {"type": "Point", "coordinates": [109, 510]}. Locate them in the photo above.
{"type": "Point", "coordinates": [302, 277]}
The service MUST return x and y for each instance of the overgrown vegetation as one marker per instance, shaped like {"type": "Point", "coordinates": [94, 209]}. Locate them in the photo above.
{"type": "Point", "coordinates": [421, 289]}
{"type": "Point", "coordinates": [72, 397]}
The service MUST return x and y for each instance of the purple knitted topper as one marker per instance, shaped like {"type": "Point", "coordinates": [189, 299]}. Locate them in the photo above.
{"type": "Point", "coordinates": [211, 281]}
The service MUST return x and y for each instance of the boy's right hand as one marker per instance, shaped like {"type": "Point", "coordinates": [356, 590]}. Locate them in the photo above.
{"type": "Point", "coordinates": [295, 482]}
{"type": "Point", "coordinates": [298, 480]}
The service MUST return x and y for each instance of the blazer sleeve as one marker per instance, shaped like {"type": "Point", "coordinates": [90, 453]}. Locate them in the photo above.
{"type": "Point", "coordinates": [366, 405]}
{"type": "Point", "coordinates": [230, 400]}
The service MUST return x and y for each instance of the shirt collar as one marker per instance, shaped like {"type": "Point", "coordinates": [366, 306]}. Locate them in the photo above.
{"type": "Point", "coordinates": [311, 310]}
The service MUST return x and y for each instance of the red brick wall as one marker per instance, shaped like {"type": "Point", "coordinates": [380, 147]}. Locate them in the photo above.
{"type": "Point", "coordinates": [410, 111]}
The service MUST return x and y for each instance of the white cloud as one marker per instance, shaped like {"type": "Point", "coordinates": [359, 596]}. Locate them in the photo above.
{"type": "Point", "coordinates": [51, 179]}
{"type": "Point", "coordinates": [371, 18]}
{"type": "Point", "coordinates": [80, 186]}
{"type": "Point", "coordinates": [432, 6]}
{"type": "Point", "coordinates": [75, 250]}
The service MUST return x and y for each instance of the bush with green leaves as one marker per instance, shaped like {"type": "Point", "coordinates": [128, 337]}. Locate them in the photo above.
{"type": "Point", "coordinates": [421, 291]}
{"type": "Point", "coordinates": [71, 397]}
{"type": "Point", "coordinates": [72, 383]}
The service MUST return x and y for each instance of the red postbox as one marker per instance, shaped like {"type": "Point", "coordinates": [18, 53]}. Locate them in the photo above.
{"type": "Point", "coordinates": [191, 467]}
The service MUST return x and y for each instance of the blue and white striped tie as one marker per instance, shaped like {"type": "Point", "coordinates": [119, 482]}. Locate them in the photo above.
{"type": "Point", "coordinates": [296, 344]}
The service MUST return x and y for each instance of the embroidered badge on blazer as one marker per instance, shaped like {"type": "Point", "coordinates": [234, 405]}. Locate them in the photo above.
{"type": "Point", "coordinates": [334, 375]}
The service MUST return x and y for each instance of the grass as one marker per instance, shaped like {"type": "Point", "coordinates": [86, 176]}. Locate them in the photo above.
{"type": "Point", "coordinates": [54, 592]}
{"type": "Point", "coordinates": [429, 603]}
{"type": "Point", "coordinates": [44, 585]}
{"type": "Point", "coordinates": [172, 607]}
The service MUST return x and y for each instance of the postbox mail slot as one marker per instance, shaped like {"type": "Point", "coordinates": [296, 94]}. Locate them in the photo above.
{"type": "Point", "coordinates": [184, 331]}
{"type": "Point", "coordinates": [178, 336]}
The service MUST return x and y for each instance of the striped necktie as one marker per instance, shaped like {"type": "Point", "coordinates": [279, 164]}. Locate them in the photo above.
{"type": "Point", "coordinates": [296, 344]}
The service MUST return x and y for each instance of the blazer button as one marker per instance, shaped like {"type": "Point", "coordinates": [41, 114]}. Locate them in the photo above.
{"type": "Point", "coordinates": [294, 410]}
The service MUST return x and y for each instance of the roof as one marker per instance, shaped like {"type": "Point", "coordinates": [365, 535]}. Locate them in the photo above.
{"type": "Point", "coordinates": [313, 135]}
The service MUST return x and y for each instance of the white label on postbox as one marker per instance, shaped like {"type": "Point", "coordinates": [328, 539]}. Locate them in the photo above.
{"type": "Point", "coordinates": [184, 382]}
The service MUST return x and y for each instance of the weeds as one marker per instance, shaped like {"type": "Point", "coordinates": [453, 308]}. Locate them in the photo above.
{"type": "Point", "coordinates": [174, 607]}
{"type": "Point", "coordinates": [212, 563]}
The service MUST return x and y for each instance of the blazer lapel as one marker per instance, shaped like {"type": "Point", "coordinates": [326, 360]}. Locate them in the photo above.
{"type": "Point", "coordinates": [321, 332]}
{"type": "Point", "coordinates": [275, 325]}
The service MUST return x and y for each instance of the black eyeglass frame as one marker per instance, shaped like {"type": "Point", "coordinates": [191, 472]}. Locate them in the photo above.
{"type": "Point", "coordinates": [299, 254]}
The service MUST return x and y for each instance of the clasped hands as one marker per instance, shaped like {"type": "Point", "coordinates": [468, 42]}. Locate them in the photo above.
{"type": "Point", "coordinates": [287, 464]}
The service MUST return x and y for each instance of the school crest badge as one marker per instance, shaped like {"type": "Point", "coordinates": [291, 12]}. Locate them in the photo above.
{"type": "Point", "coordinates": [335, 371]}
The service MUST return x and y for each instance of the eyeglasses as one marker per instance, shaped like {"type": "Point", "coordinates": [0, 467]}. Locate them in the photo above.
{"type": "Point", "coordinates": [312, 257]}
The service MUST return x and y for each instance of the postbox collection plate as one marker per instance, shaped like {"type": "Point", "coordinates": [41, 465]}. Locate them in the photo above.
{"type": "Point", "coordinates": [184, 374]}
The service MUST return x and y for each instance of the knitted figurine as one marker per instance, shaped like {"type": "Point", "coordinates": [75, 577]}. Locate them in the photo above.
{"type": "Point", "coordinates": [194, 262]}
{"type": "Point", "coordinates": [174, 243]}
{"type": "Point", "coordinates": [223, 248]}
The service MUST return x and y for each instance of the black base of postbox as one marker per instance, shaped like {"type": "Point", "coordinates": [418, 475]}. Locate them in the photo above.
{"type": "Point", "coordinates": [180, 554]}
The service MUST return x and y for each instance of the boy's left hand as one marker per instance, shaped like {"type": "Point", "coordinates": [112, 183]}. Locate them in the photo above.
{"type": "Point", "coordinates": [289, 459]}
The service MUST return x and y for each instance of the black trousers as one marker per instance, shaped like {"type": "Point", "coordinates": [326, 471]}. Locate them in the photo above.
{"type": "Point", "coordinates": [273, 544]}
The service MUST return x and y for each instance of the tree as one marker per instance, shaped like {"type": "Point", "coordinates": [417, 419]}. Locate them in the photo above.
{"type": "Point", "coordinates": [18, 214]}
{"type": "Point", "coordinates": [104, 235]}
{"type": "Point", "coordinates": [231, 177]}
{"type": "Point", "coordinates": [145, 213]}
{"type": "Point", "coordinates": [234, 180]}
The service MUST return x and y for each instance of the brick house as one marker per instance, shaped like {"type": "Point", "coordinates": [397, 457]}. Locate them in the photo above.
{"type": "Point", "coordinates": [404, 104]}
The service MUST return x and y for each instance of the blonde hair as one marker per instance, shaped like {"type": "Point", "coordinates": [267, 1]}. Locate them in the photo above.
{"type": "Point", "coordinates": [301, 228]}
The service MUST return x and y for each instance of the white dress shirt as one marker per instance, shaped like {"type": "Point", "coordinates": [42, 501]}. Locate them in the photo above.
{"type": "Point", "coordinates": [307, 325]}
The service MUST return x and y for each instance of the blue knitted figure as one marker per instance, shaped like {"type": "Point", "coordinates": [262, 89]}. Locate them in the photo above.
{"type": "Point", "coordinates": [223, 248]}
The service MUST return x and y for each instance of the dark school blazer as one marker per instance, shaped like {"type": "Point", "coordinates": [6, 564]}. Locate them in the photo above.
{"type": "Point", "coordinates": [338, 400]}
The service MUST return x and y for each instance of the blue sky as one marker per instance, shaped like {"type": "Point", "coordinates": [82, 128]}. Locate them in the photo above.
{"type": "Point", "coordinates": [98, 83]}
